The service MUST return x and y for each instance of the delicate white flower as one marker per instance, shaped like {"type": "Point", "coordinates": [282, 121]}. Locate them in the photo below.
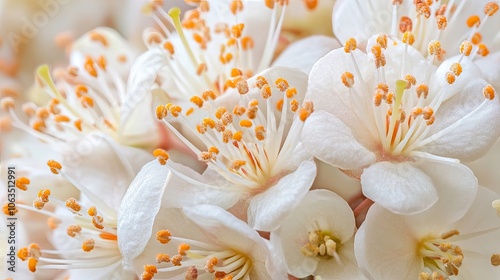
{"type": "Point", "coordinates": [218, 40]}
{"type": "Point", "coordinates": [91, 96]}
{"type": "Point", "coordinates": [250, 138]}
{"type": "Point", "coordinates": [84, 234]}
{"type": "Point", "coordinates": [202, 242]}
{"type": "Point", "coordinates": [446, 22]}
{"type": "Point", "coordinates": [389, 116]}
{"type": "Point", "coordinates": [432, 244]}
{"type": "Point", "coordinates": [317, 238]}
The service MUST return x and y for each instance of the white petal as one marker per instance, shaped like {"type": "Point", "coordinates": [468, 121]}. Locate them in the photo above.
{"type": "Point", "coordinates": [348, 269]}
{"type": "Point", "coordinates": [329, 93]}
{"type": "Point", "coordinates": [467, 125]}
{"type": "Point", "coordinates": [385, 246]}
{"type": "Point", "coordinates": [300, 54]}
{"type": "Point", "coordinates": [331, 141]}
{"type": "Point", "coordinates": [399, 187]}
{"type": "Point", "coordinates": [139, 208]}
{"type": "Point", "coordinates": [266, 210]}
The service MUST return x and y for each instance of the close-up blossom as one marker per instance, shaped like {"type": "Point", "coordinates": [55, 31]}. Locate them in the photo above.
{"type": "Point", "coordinates": [249, 139]}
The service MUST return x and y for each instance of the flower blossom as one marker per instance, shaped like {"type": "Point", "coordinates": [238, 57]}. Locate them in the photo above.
{"type": "Point", "coordinates": [201, 242]}
{"type": "Point", "coordinates": [387, 116]}
{"type": "Point", "coordinates": [251, 142]}
{"type": "Point", "coordinates": [317, 238]}
{"type": "Point", "coordinates": [448, 23]}
{"type": "Point", "coordinates": [432, 244]}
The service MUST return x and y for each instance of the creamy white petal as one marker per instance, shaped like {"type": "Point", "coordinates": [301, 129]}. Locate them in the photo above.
{"type": "Point", "coordinates": [331, 141]}
{"type": "Point", "coordinates": [399, 187]}
{"type": "Point", "coordinates": [267, 209]}
{"type": "Point", "coordinates": [302, 56]}
{"type": "Point", "coordinates": [139, 207]}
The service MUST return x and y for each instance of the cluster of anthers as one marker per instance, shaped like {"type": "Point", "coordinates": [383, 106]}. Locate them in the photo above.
{"type": "Point", "coordinates": [197, 258]}
{"type": "Point", "coordinates": [199, 36]}
{"type": "Point", "coordinates": [443, 14]}
{"type": "Point", "coordinates": [404, 112]}
{"type": "Point", "coordinates": [246, 144]}
{"type": "Point", "coordinates": [90, 229]}
{"type": "Point", "coordinates": [441, 258]}
{"type": "Point", "coordinates": [82, 100]}
{"type": "Point", "coordinates": [321, 244]}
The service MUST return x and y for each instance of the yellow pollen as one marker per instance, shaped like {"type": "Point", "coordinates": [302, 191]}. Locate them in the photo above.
{"type": "Point", "coordinates": [473, 21]}
{"type": "Point", "coordinates": [237, 164]}
{"type": "Point", "coordinates": [61, 118]}
{"type": "Point", "coordinates": [236, 6]}
{"type": "Point", "coordinates": [92, 211]}
{"type": "Point", "coordinates": [350, 45]}
{"type": "Point", "coordinates": [441, 22]}
{"type": "Point", "coordinates": [408, 38]}
{"type": "Point", "coordinates": [294, 105]}
{"type": "Point", "coordinates": [490, 8]}
{"type": "Point", "coordinates": [423, 9]}
{"type": "Point", "coordinates": [304, 114]}
{"type": "Point", "coordinates": [161, 155]}
{"type": "Point", "coordinates": [208, 94]}
{"type": "Point", "coordinates": [198, 101]}
{"type": "Point", "coordinates": [23, 253]}
{"type": "Point", "coordinates": [191, 273]}
{"type": "Point", "coordinates": [32, 262]}
{"type": "Point", "coordinates": [55, 166]}
{"type": "Point", "coordinates": [405, 25]}
{"type": "Point", "coordinates": [235, 72]}
{"type": "Point", "coordinates": [213, 150]}
{"type": "Point", "coordinates": [163, 236]}
{"type": "Point", "coordinates": [176, 260]}
{"type": "Point", "coordinates": [22, 182]}
{"type": "Point", "coordinates": [161, 112]}
{"type": "Point", "coordinates": [169, 47]}
{"type": "Point", "coordinates": [466, 48]}
{"type": "Point", "coordinates": [265, 91]}
{"type": "Point", "coordinates": [220, 112]}
{"type": "Point", "coordinates": [279, 105]}
{"type": "Point", "coordinates": [347, 79]}
{"type": "Point", "coordinates": [87, 101]}
{"type": "Point", "coordinates": [434, 47]}
{"type": "Point", "coordinates": [495, 260]}
{"type": "Point", "coordinates": [483, 50]}
{"type": "Point", "coordinates": [383, 87]}
{"type": "Point", "coordinates": [161, 258]}
{"type": "Point", "coordinates": [88, 245]}
{"type": "Point", "coordinates": [98, 37]}
{"type": "Point", "coordinates": [246, 123]}
{"type": "Point", "coordinates": [422, 89]}
{"type": "Point", "coordinates": [210, 264]}
{"type": "Point", "coordinates": [410, 81]}
{"type": "Point", "coordinates": [476, 38]}
{"type": "Point", "coordinates": [377, 51]}
{"type": "Point", "coordinates": [108, 236]}
{"type": "Point", "coordinates": [237, 30]}
{"type": "Point", "coordinates": [183, 247]}
{"type": "Point", "coordinates": [450, 77]}
{"type": "Point", "coordinates": [237, 136]}
{"type": "Point", "coordinates": [260, 132]}
{"type": "Point", "coordinates": [377, 98]}
{"type": "Point", "coordinates": [291, 92]}
{"type": "Point", "coordinates": [282, 84]}
{"type": "Point", "coordinates": [489, 92]}
{"type": "Point", "coordinates": [456, 68]}
{"type": "Point", "coordinates": [208, 122]}
{"type": "Point", "coordinates": [72, 230]}
{"type": "Point", "coordinates": [260, 82]}
{"type": "Point", "coordinates": [175, 110]}
{"type": "Point", "coordinates": [72, 204]}
{"type": "Point", "coordinates": [81, 90]}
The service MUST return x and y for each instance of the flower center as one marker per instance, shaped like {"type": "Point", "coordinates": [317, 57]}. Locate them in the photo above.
{"type": "Point", "coordinates": [197, 258]}
{"type": "Point", "coordinates": [213, 43]}
{"type": "Point", "coordinates": [441, 258]}
{"type": "Point", "coordinates": [249, 143]}
{"type": "Point", "coordinates": [321, 244]}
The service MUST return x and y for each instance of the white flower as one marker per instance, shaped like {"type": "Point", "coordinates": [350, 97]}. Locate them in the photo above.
{"type": "Point", "coordinates": [447, 22]}
{"type": "Point", "coordinates": [317, 238]}
{"type": "Point", "coordinates": [390, 116]}
{"type": "Point", "coordinates": [250, 138]}
{"type": "Point", "coordinates": [202, 242]}
{"type": "Point", "coordinates": [218, 40]}
{"type": "Point", "coordinates": [432, 244]}
{"type": "Point", "coordinates": [91, 96]}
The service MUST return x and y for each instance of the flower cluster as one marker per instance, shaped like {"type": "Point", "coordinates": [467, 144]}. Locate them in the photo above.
{"type": "Point", "coordinates": [253, 139]}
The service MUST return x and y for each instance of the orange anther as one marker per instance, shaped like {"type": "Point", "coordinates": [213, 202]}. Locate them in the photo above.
{"type": "Point", "coordinates": [294, 105]}
{"type": "Point", "coordinates": [81, 90]}
{"type": "Point", "coordinates": [422, 89]}
{"type": "Point", "coordinates": [476, 38]}
{"type": "Point", "coordinates": [473, 21]}
{"type": "Point", "coordinates": [281, 84]}
{"type": "Point", "coordinates": [108, 236]}
{"type": "Point", "coordinates": [382, 40]}
{"type": "Point", "coordinates": [61, 118]}
{"type": "Point", "coordinates": [87, 101]}
{"type": "Point", "coordinates": [7, 103]}
{"type": "Point", "coordinates": [246, 123]}
{"type": "Point", "coordinates": [441, 22]}
{"type": "Point", "coordinates": [483, 50]}
{"type": "Point", "coordinates": [489, 92]}
{"type": "Point", "coordinates": [163, 236]}
{"type": "Point", "coordinates": [98, 37]}
{"type": "Point", "coordinates": [198, 101]}
{"type": "Point", "coordinates": [466, 48]}
{"type": "Point", "coordinates": [237, 30]}
{"type": "Point", "coordinates": [260, 132]}
{"type": "Point", "coordinates": [183, 247]}
{"type": "Point", "coordinates": [72, 230]}
{"type": "Point", "coordinates": [73, 205]}
{"type": "Point", "coordinates": [269, 4]}
{"type": "Point", "coordinates": [161, 155]}
{"type": "Point", "coordinates": [450, 77]}
{"type": "Point", "coordinates": [23, 253]}
{"type": "Point", "coordinates": [89, 67]}
{"type": "Point", "coordinates": [347, 79]}
{"type": "Point", "coordinates": [22, 182]}
{"type": "Point", "coordinates": [161, 258]}
{"type": "Point", "coordinates": [169, 47]}
{"type": "Point", "coordinates": [490, 8]}
{"type": "Point", "coordinates": [237, 164]}
{"type": "Point", "coordinates": [55, 166]}
{"type": "Point", "coordinates": [32, 262]}
{"type": "Point", "coordinates": [405, 25]}
{"type": "Point", "coordinates": [236, 6]}
{"type": "Point", "coordinates": [247, 43]}
{"type": "Point", "coordinates": [88, 245]}
{"type": "Point", "coordinates": [237, 136]}
{"type": "Point", "coordinates": [279, 104]}
{"type": "Point", "coordinates": [456, 68]}
{"type": "Point", "coordinates": [350, 45]}
{"type": "Point", "coordinates": [408, 38]}
{"type": "Point", "coordinates": [265, 91]}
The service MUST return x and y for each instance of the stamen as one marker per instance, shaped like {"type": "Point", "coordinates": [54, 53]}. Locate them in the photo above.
{"type": "Point", "coordinates": [489, 92]}
{"type": "Point", "coordinates": [55, 166]}
{"type": "Point", "coordinates": [22, 183]}
{"type": "Point", "coordinates": [163, 236]}
{"type": "Point", "coordinates": [88, 245]}
{"type": "Point", "coordinates": [495, 260]}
